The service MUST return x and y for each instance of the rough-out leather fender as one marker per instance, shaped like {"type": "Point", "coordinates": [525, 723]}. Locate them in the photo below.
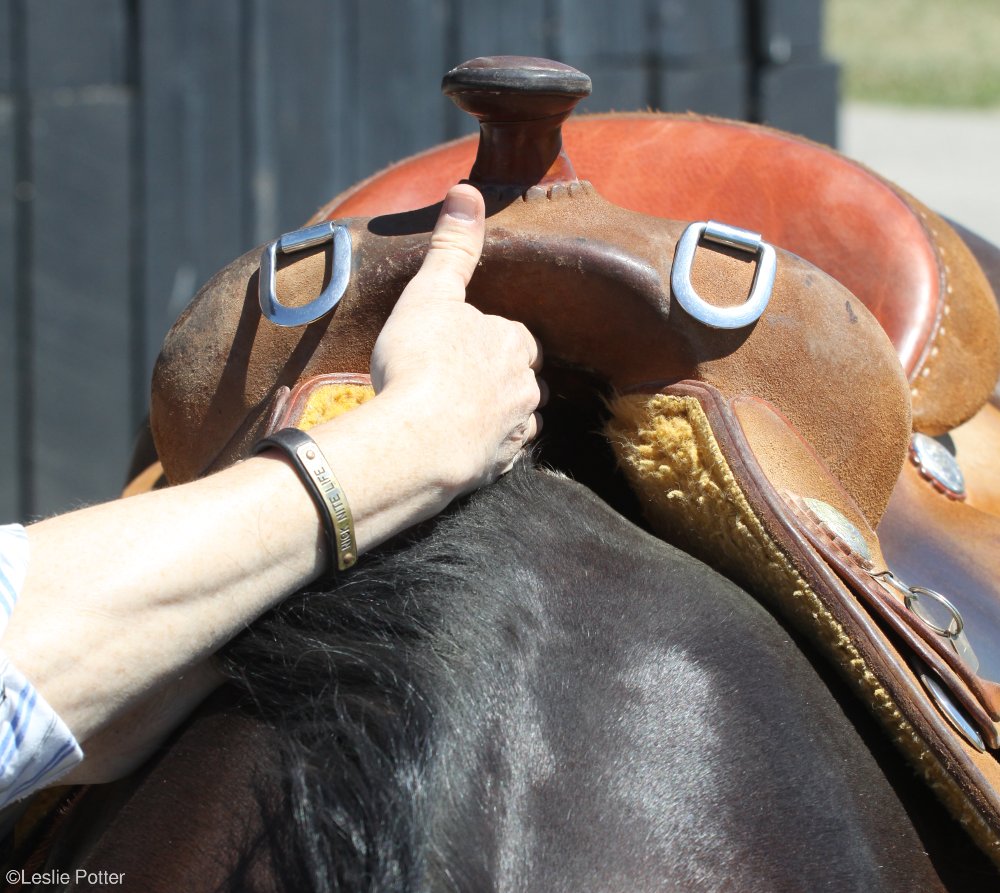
{"type": "Point", "coordinates": [592, 281]}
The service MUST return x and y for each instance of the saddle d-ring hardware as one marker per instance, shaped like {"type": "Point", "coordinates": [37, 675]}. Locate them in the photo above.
{"type": "Point", "coordinates": [763, 280]}
{"type": "Point", "coordinates": [289, 317]}
{"type": "Point", "coordinates": [951, 710]}
{"type": "Point", "coordinates": [916, 598]}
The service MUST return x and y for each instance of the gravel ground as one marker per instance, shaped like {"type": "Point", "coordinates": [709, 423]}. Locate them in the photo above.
{"type": "Point", "coordinates": [948, 158]}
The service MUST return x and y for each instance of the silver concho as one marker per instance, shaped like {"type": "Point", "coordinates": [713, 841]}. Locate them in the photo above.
{"type": "Point", "coordinates": [939, 466]}
{"type": "Point", "coordinates": [836, 524]}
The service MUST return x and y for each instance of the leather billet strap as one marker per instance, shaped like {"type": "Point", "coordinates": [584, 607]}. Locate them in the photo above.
{"type": "Point", "coordinates": [719, 477]}
{"type": "Point", "coordinates": [976, 696]}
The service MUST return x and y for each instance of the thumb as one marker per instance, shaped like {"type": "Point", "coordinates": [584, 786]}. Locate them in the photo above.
{"type": "Point", "coordinates": [456, 244]}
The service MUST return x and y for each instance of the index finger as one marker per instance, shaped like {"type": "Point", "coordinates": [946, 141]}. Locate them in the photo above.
{"type": "Point", "coordinates": [456, 245]}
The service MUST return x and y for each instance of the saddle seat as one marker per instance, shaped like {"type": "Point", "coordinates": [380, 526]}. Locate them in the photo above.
{"type": "Point", "coordinates": [770, 448]}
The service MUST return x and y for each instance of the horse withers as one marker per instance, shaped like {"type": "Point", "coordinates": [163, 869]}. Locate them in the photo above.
{"type": "Point", "coordinates": [530, 693]}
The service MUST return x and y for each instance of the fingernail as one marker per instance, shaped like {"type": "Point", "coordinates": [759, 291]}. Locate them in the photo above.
{"type": "Point", "coordinates": [461, 206]}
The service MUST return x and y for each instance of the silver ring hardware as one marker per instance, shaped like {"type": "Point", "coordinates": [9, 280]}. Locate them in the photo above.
{"type": "Point", "coordinates": [290, 317]}
{"type": "Point", "coordinates": [763, 280]}
{"type": "Point", "coordinates": [954, 632]}
{"type": "Point", "coordinates": [914, 603]}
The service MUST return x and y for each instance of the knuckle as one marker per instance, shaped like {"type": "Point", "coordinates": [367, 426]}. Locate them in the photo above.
{"type": "Point", "coordinates": [523, 332]}
{"type": "Point", "coordinates": [454, 243]}
{"type": "Point", "coordinates": [513, 334]}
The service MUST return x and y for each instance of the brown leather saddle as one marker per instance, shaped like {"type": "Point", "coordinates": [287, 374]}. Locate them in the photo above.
{"type": "Point", "coordinates": [772, 360]}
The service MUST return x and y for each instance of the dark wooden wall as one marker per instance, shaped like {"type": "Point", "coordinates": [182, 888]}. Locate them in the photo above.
{"type": "Point", "coordinates": [144, 143]}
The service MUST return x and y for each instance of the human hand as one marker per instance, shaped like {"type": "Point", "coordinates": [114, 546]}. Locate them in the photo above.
{"type": "Point", "coordinates": [468, 380]}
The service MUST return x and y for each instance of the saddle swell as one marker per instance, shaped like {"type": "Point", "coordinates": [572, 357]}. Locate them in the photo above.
{"type": "Point", "coordinates": [591, 281]}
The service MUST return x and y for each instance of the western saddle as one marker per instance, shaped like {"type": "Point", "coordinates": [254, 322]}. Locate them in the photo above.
{"type": "Point", "coordinates": [803, 378]}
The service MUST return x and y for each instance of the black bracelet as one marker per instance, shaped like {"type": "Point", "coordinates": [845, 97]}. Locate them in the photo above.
{"type": "Point", "coordinates": [314, 471]}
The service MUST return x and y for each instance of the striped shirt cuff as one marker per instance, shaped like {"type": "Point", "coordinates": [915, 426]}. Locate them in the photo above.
{"type": "Point", "coordinates": [36, 747]}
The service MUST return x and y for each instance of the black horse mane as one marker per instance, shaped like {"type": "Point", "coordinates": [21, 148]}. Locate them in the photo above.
{"type": "Point", "coordinates": [359, 680]}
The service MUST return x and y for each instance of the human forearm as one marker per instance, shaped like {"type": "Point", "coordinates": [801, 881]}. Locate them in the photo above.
{"type": "Point", "coordinates": [122, 597]}
{"type": "Point", "coordinates": [121, 600]}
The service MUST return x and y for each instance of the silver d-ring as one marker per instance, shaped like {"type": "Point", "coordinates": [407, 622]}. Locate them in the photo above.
{"type": "Point", "coordinates": [954, 629]}
{"type": "Point", "coordinates": [289, 317]}
{"type": "Point", "coordinates": [763, 280]}
{"type": "Point", "coordinates": [951, 710]}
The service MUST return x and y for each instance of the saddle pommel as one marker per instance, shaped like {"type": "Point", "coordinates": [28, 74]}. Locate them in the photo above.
{"type": "Point", "coordinates": [607, 291]}
{"type": "Point", "coordinates": [521, 103]}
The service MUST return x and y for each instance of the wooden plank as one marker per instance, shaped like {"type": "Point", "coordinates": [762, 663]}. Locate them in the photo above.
{"type": "Point", "coordinates": [617, 87]}
{"type": "Point", "coordinates": [801, 98]}
{"type": "Point", "coordinates": [6, 38]}
{"type": "Point", "coordinates": [400, 109]}
{"type": "Point", "coordinates": [787, 30]}
{"type": "Point", "coordinates": [708, 30]}
{"type": "Point", "coordinates": [722, 90]}
{"type": "Point", "coordinates": [193, 216]}
{"type": "Point", "coordinates": [586, 33]}
{"type": "Point", "coordinates": [71, 44]}
{"type": "Point", "coordinates": [80, 280]}
{"type": "Point", "coordinates": [10, 497]}
{"type": "Point", "coordinates": [513, 28]}
{"type": "Point", "coordinates": [303, 105]}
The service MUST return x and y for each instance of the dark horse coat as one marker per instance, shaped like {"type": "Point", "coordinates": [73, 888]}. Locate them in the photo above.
{"type": "Point", "coordinates": [533, 694]}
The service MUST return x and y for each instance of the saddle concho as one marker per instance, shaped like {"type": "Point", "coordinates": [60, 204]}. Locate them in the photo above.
{"type": "Point", "coordinates": [764, 415]}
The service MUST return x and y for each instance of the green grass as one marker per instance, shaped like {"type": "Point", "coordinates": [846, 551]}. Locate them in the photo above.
{"type": "Point", "coordinates": [917, 52]}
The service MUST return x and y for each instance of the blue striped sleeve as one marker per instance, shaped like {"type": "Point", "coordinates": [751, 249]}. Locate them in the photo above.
{"type": "Point", "coordinates": [36, 747]}
{"type": "Point", "coordinates": [13, 565]}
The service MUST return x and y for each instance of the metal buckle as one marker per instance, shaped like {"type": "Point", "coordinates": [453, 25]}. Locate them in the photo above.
{"type": "Point", "coordinates": [289, 317]}
{"type": "Point", "coordinates": [951, 710]}
{"type": "Point", "coordinates": [763, 280]}
{"type": "Point", "coordinates": [953, 631]}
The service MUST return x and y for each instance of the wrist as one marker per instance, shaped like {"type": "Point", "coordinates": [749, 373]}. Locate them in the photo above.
{"type": "Point", "coordinates": [315, 474]}
{"type": "Point", "coordinates": [427, 444]}
{"type": "Point", "coordinates": [394, 468]}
